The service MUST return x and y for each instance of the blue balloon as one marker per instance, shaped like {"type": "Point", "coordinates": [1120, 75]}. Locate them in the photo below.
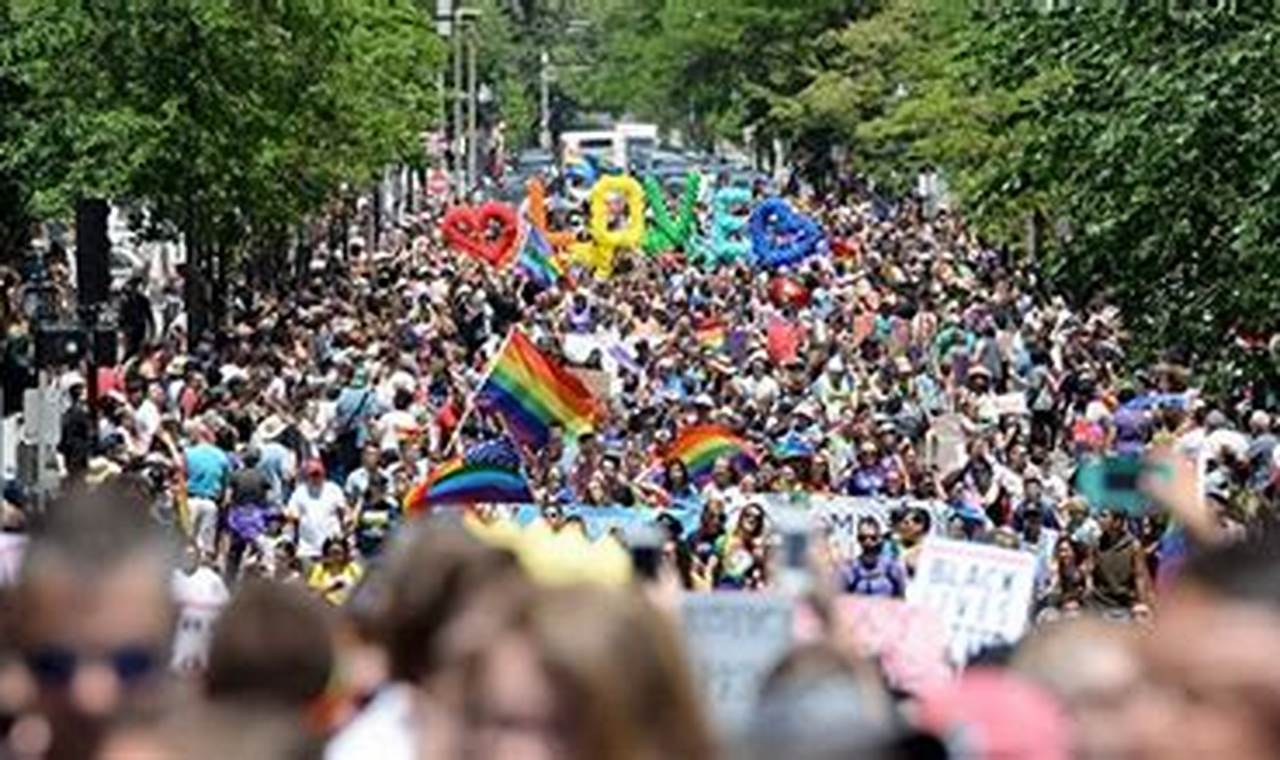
{"type": "Point", "coordinates": [780, 236]}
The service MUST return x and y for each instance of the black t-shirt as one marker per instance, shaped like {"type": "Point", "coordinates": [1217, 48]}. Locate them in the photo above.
{"type": "Point", "coordinates": [249, 486]}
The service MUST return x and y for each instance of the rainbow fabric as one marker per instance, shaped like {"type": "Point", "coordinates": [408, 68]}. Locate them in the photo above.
{"type": "Point", "coordinates": [699, 447]}
{"type": "Point", "coordinates": [487, 473]}
{"type": "Point", "coordinates": [534, 394]}
{"type": "Point", "coordinates": [712, 335]}
{"type": "Point", "coordinates": [537, 260]}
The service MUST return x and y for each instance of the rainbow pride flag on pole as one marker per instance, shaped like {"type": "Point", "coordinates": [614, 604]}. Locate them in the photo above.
{"type": "Point", "coordinates": [534, 394]}
{"type": "Point", "coordinates": [537, 260]}
{"type": "Point", "coordinates": [488, 473]}
{"type": "Point", "coordinates": [700, 446]}
{"type": "Point", "coordinates": [711, 334]}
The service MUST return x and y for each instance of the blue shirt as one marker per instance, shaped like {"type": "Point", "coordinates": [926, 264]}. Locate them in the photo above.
{"type": "Point", "coordinates": [884, 577]}
{"type": "Point", "coordinates": [208, 468]}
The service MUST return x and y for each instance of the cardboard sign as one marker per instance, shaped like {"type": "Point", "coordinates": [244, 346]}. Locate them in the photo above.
{"type": "Point", "coordinates": [733, 641]}
{"type": "Point", "coordinates": [981, 592]}
{"type": "Point", "coordinates": [909, 642]}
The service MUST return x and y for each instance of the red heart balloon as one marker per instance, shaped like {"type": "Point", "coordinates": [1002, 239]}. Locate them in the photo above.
{"type": "Point", "coordinates": [467, 229]}
{"type": "Point", "coordinates": [784, 290]}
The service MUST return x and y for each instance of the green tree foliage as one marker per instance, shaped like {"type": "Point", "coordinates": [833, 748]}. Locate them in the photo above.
{"type": "Point", "coordinates": [228, 121]}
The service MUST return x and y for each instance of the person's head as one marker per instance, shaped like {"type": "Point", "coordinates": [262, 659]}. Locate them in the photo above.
{"type": "Point", "coordinates": [370, 457]}
{"type": "Point", "coordinates": [313, 474]}
{"type": "Point", "coordinates": [870, 539]}
{"type": "Point", "coordinates": [272, 644]}
{"type": "Point", "coordinates": [751, 521]}
{"type": "Point", "coordinates": [722, 472]}
{"type": "Point", "coordinates": [916, 524]}
{"type": "Point", "coordinates": [553, 515]}
{"type": "Point", "coordinates": [584, 673]}
{"type": "Point", "coordinates": [92, 612]}
{"type": "Point", "coordinates": [434, 574]}
{"type": "Point", "coordinates": [677, 475]}
{"type": "Point", "coordinates": [1211, 660]}
{"type": "Point", "coordinates": [1112, 522]}
{"type": "Point", "coordinates": [335, 552]}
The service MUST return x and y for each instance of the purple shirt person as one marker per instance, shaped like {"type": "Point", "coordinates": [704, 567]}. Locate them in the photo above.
{"type": "Point", "coordinates": [868, 479]}
{"type": "Point", "coordinates": [874, 572]}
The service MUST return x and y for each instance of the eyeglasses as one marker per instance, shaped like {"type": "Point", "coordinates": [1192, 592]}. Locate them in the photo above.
{"type": "Point", "coordinates": [868, 538]}
{"type": "Point", "coordinates": [56, 666]}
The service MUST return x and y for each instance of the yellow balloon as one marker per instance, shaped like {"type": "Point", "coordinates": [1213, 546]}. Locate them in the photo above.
{"type": "Point", "coordinates": [632, 234]}
{"type": "Point", "coordinates": [594, 256]}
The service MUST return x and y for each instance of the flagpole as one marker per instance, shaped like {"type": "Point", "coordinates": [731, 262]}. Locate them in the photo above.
{"type": "Point", "coordinates": [471, 398]}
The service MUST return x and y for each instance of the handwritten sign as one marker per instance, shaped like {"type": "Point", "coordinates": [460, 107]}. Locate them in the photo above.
{"type": "Point", "coordinates": [982, 593]}
{"type": "Point", "coordinates": [734, 640]}
{"type": "Point", "coordinates": [910, 642]}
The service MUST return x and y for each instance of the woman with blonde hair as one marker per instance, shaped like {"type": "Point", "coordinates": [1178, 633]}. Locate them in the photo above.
{"type": "Point", "coordinates": [584, 673]}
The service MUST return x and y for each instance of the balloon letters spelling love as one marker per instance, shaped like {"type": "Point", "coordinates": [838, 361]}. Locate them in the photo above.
{"type": "Point", "coordinates": [729, 240]}
{"type": "Point", "coordinates": [607, 241]}
{"type": "Point", "coordinates": [780, 236]}
{"type": "Point", "coordinates": [667, 234]}
{"type": "Point", "coordinates": [536, 197]}
{"type": "Point", "coordinates": [488, 232]}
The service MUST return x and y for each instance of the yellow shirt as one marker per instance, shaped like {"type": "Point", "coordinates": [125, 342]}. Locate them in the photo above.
{"type": "Point", "coordinates": [335, 587]}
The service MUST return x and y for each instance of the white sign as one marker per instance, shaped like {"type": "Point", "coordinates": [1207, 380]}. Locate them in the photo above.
{"type": "Point", "coordinates": [734, 640]}
{"type": "Point", "coordinates": [199, 598]}
{"type": "Point", "coordinates": [981, 592]}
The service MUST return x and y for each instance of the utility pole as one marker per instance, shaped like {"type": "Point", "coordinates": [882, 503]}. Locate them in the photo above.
{"type": "Point", "coordinates": [459, 166]}
{"type": "Point", "coordinates": [472, 170]}
{"type": "Point", "coordinates": [544, 80]}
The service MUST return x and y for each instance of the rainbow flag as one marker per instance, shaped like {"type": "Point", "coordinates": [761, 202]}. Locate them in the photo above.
{"type": "Point", "coordinates": [535, 394]}
{"type": "Point", "coordinates": [489, 472]}
{"type": "Point", "coordinates": [700, 446]}
{"type": "Point", "coordinates": [537, 259]}
{"type": "Point", "coordinates": [711, 334]}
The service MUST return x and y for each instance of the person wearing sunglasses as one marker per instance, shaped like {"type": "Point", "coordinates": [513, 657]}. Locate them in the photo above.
{"type": "Point", "coordinates": [874, 572]}
{"type": "Point", "coordinates": [94, 616]}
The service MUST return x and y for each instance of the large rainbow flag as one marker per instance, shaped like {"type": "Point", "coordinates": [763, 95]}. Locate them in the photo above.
{"type": "Point", "coordinates": [488, 473]}
{"type": "Point", "coordinates": [700, 446]}
{"type": "Point", "coordinates": [535, 394]}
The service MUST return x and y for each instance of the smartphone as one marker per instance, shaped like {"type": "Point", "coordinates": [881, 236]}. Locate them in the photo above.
{"type": "Point", "coordinates": [1112, 483]}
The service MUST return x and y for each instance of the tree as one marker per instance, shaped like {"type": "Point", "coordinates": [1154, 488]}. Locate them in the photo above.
{"type": "Point", "coordinates": [229, 122]}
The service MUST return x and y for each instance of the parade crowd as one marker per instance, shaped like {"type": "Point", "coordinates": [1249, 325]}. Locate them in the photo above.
{"type": "Point", "coordinates": [250, 492]}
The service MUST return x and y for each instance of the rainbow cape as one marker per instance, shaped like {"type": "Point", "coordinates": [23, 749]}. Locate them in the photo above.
{"type": "Point", "coordinates": [700, 446]}
{"type": "Point", "coordinates": [534, 394]}
{"type": "Point", "coordinates": [488, 473]}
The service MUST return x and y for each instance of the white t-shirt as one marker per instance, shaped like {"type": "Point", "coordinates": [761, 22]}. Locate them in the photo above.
{"type": "Point", "coordinates": [318, 516]}
{"type": "Point", "coordinates": [199, 597]}
{"type": "Point", "coordinates": [385, 729]}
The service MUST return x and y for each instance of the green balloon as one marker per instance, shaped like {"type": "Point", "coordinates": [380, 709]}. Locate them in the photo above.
{"type": "Point", "coordinates": [666, 234]}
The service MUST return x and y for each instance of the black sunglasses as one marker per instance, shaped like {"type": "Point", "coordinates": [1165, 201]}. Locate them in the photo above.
{"type": "Point", "coordinates": [57, 666]}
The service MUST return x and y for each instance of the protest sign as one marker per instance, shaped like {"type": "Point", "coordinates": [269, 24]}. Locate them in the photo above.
{"type": "Point", "coordinates": [981, 592]}
{"type": "Point", "coordinates": [600, 521]}
{"type": "Point", "coordinates": [947, 442]}
{"type": "Point", "coordinates": [910, 642]}
{"type": "Point", "coordinates": [733, 641]}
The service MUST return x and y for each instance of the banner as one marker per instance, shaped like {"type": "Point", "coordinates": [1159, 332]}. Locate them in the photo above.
{"type": "Point", "coordinates": [981, 592]}
{"type": "Point", "coordinates": [733, 641]}
{"type": "Point", "coordinates": [600, 521]}
{"type": "Point", "coordinates": [839, 515]}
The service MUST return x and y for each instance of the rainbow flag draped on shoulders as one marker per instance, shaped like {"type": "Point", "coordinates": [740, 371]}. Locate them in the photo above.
{"type": "Point", "coordinates": [700, 446]}
{"type": "Point", "coordinates": [488, 472]}
{"type": "Point", "coordinates": [534, 394]}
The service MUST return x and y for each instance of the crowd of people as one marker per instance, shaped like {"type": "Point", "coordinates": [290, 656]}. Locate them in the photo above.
{"type": "Point", "coordinates": [913, 363]}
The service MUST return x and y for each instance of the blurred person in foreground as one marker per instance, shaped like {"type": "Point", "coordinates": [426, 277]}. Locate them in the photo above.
{"type": "Point", "coordinates": [1214, 679]}
{"type": "Point", "coordinates": [818, 686]}
{"type": "Point", "coordinates": [584, 673]}
{"type": "Point", "coordinates": [93, 619]}
{"type": "Point", "coordinates": [433, 585]}
{"type": "Point", "coordinates": [203, 731]}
